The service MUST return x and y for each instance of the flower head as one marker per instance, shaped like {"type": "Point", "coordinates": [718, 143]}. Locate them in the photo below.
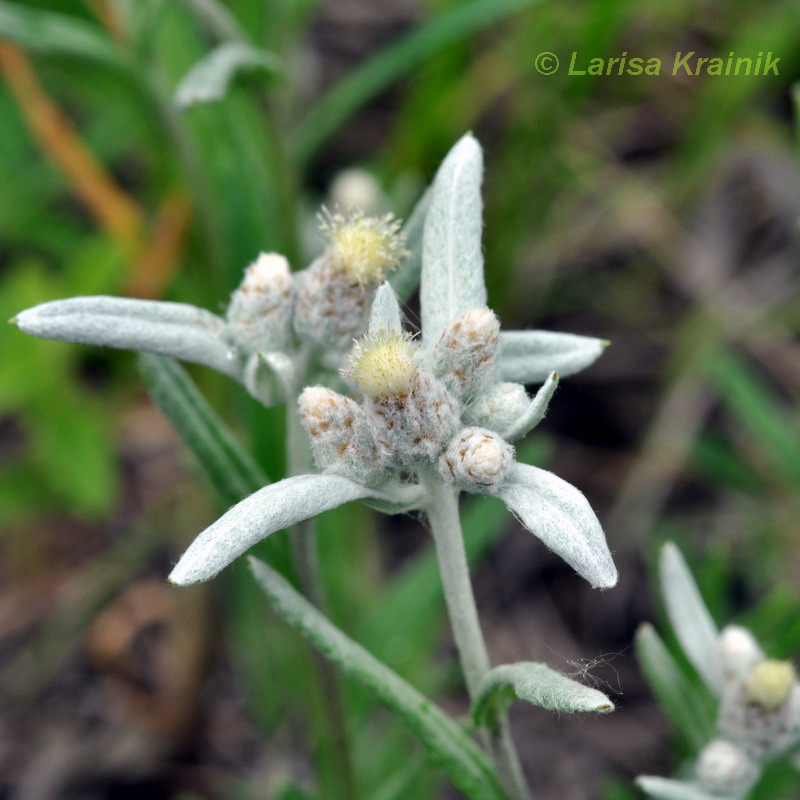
{"type": "Point", "coordinates": [363, 249]}
{"type": "Point", "coordinates": [383, 365]}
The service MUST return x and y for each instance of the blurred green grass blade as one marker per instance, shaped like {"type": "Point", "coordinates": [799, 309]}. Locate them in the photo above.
{"type": "Point", "coordinates": [51, 33]}
{"type": "Point", "coordinates": [210, 78]}
{"type": "Point", "coordinates": [393, 63]}
{"type": "Point", "coordinates": [231, 469]}
{"type": "Point", "coordinates": [679, 699]}
{"type": "Point", "coordinates": [751, 401]}
{"type": "Point", "coordinates": [446, 742]}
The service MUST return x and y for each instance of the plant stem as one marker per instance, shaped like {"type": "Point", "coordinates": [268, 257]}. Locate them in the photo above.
{"type": "Point", "coordinates": [306, 563]}
{"type": "Point", "coordinates": [445, 523]}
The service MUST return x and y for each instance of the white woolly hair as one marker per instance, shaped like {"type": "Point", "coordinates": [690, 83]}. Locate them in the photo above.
{"type": "Point", "coordinates": [363, 249]}
{"type": "Point", "coordinates": [383, 365]}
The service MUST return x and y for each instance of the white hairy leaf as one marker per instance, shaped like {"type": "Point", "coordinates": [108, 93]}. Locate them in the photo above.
{"type": "Point", "coordinates": [385, 314]}
{"type": "Point", "coordinates": [530, 356]}
{"type": "Point", "coordinates": [689, 616]}
{"type": "Point", "coordinates": [666, 789]}
{"type": "Point", "coordinates": [445, 742]}
{"type": "Point", "coordinates": [210, 78]}
{"type": "Point", "coordinates": [179, 330]}
{"type": "Point", "coordinates": [452, 259]}
{"type": "Point", "coordinates": [537, 684]}
{"type": "Point", "coordinates": [535, 411]}
{"type": "Point", "coordinates": [270, 509]}
{"type": "Point", "coordinates": [562, 518]}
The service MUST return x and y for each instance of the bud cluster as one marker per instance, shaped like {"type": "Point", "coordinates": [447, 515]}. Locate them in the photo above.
{"type": "Point", "coordinates": [329, 302]}
{"type": "Point", "coordinates": [412, 405]}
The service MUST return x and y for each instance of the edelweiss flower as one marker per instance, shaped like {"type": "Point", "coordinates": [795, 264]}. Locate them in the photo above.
{"type": "Point", "coordinates": [759, 698]}
{"type": "Point", "coordinates": [434, 411]}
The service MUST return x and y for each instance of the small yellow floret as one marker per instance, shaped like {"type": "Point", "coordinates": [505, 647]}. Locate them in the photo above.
{"type": "Point", "coordinates": [769, 683]}
{"type": "Point", "coordinates": [362, 248]}
{"type": "Point", "coordinates": [383, 366]}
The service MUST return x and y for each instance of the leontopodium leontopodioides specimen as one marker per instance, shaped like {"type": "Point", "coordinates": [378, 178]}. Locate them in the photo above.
{"type": "Point", "coordinates": [437, 406]}
{"type": "Point", "coordinates": [759, 698]}
{"type": "Point", "coordinates": [278, 325]}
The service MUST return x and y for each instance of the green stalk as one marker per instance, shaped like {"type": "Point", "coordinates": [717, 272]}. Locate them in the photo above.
{"type": "Point", "coordinates": [445, 524]}
{"type": "Point", "coordinates": [305, 554]}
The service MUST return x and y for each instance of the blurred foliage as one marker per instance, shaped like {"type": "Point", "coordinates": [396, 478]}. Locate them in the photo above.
{"type": "Point", "coordinates": [659, 212]}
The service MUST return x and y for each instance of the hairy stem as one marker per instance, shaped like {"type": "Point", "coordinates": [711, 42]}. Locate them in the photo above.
{"type": "Point", "coordinates": [445, 524]}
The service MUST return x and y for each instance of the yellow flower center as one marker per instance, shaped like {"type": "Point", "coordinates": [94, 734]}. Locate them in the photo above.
{"type": "Point", "coordinates": [362, 248]}
{"type": "Point", "coordinates": [383, 366]}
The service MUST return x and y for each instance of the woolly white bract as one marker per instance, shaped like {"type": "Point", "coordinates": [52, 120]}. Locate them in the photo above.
{"type": "Point", "coordinates": [425, 409]}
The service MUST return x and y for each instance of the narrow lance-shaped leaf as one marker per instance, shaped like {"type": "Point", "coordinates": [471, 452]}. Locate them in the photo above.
{"type": "Point", "coordinates": [170, 329]}
{"type": "Point", "coordinates": [452, 258]}
{"type": "Point", "coordinates": [681, 701]}
{"type": "Point", "coordinates": [530, 356]}
{"type": "Point", "coordinates": [405, 280]}
{"type": "Point", "coordinates": [562, 518]}
{"type": "Point", "coordinates": [210, 78]}
{"type": "Point", "coordinates": [385, 314]}
{"type": "Point", "coordinates": [689, 616]}
{"type": "Point", "coordinates": [535, 412]}
{"type": "Point", "coordinates": [232, 470]}
{"type": "Point", "coordinates": [535, 683]}
{"type": "Point", "coordinates": [268, 510]}
{"type": "Point", "coordinates": [666, 789]}
{"type": "Point", "coordinates": [445, 742]}
{"type": "Point", "coordinates": [52, 33]}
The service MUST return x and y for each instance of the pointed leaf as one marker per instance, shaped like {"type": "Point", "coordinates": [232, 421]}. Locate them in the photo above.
{"type": "Point", "coordinates": [530, 356]}
{"type": "Point", "coordinates": [452, 259]}
{"type": "Point", "coordinates": [535, 412]}
{"type": "Point", "coordinates": [666, 789]}
{"type": "Point", "coordinates": [232, 470]}
{"type": "Point", "coordinates": [385, 314]}
{"type": "Point", "coordinates": [691, 712]}
{"type": "Point", "coordinates": [689, 616]}
{"type": "Point", "coordinates": [270, 509]}
{"type": "Point", "coordinates": [537, 684]}
{"type": "Point", "coordinates": [562, 518]}
{"type": "Point", "coordinates": [170, 329]}
{"type": "Point", "coordinates": [405, 280]}
{"type": "Point", "coordinates": [445, 742]}
{"type": "Point", "coordinates": [52, 33]}
{"type": "Point", "coordinates": [210, 78]}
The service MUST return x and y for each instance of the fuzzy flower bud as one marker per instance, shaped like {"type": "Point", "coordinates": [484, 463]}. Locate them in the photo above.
{"type": "Point", "coordinates": [465, 357]}
{"type": "Point", "coordinates": [477, 459]}
{"type": "Point", "coordinates": [738, 651]}
{"type": "Point", "coordinates": [260, 310]}
{"type": "Point", "coordinates": [411, 414]}
{"type": "Point", "coordinates": [363, 249]}
{"type": "Point", "coordinates": [724, 768]}
{"type": "Point", "coordinates": [500, 406]}
{"type": "Point", "coordinates": [769, 684]}
{"type": "Point", "coordinates": [341, 441]}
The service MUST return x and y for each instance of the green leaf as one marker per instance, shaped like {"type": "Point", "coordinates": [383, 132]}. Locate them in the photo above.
{"type": "Point", "coordinates": [50, 33]}
{"type": "Point", "coordinates": [232, 470]}
{"type": "Point", "coordinates": [446, 743]}
{"type": "Point", "coordinates": [393, 62]}
{"type": "Point", "coordinates": [210, 78]}
{"type": "Point", "coordinates": [535, 683]}
{"type": "Point", "coordinates": [681, 701]}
